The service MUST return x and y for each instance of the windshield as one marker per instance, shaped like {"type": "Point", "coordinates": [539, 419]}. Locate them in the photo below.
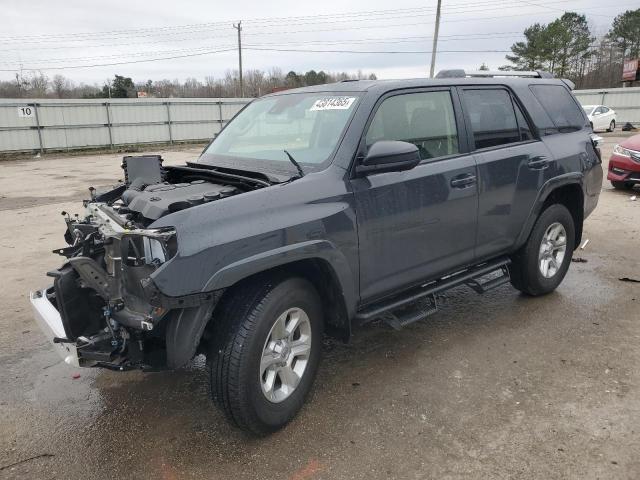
{"type": "Point", "coordinates": [307, 125]}
{"type": "Point", "coordinates": [588, 109]}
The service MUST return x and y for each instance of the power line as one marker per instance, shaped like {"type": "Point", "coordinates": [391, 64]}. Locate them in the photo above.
{"type": "Point", "coordinates": [453, 37]}
{"type": "Point", "coordinates": [383, 40]}
{"type": "Point", "coordinates": [375, 51]}
{"type": "Point", "coordinates": [68, 67]}
{"type": "Point", "coordinates": [210, 52]}
{"type": "Point", "coordinates": [273, 22]}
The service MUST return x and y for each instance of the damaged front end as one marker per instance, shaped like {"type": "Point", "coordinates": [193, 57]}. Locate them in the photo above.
{"type": "Point", "coordinates": [103, 308]}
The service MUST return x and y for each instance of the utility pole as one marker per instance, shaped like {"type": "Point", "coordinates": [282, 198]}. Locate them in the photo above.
{"type": "Point", "coordinates": [238, 27]}
{"type": "Point", "coordinates": [435, 41]}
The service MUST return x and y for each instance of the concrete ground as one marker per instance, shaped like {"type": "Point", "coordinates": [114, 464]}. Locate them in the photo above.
{"type": "Point", "coordinates": [494, 386]}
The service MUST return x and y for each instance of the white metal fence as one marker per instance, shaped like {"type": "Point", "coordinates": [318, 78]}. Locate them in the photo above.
{"type": "Point", "coordinates": [43, 124]}
{"type": "Point", "coordinates": [625, 101]}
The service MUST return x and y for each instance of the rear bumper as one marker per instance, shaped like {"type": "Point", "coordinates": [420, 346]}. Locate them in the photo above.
{"type": "Point", "coordinates": [50, 322]}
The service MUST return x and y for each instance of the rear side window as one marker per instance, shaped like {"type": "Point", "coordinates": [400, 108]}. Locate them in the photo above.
{"type": "Point", "coordinates": [493, 119]}
{"type": "Point", "coordinates": [425, 119]}
{"type": "Point", "coordinates": [560, 106]}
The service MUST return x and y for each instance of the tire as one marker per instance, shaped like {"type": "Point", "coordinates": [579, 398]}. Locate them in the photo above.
{"type": "Point", "coordinates": [244, 330]}
{"type": "Point", "coordinates": [526, 267]}
{"type": "Point", "coordinates": [621, 185]}
{"type": "Point", "coordinates": [612, 126]}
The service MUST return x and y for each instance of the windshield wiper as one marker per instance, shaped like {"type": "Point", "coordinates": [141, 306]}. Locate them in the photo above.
{"type": "Point", "coordinates": [295, 164]}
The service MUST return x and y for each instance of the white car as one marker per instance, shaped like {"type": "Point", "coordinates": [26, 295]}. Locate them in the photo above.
{"type": "Point", "coordinates": [601, 117]}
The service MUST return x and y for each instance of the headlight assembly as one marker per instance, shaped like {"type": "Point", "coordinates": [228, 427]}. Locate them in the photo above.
{"type": "Point", "coordinates": [618, 150]}
{"type": "Point", "coordinates": [148, 247]}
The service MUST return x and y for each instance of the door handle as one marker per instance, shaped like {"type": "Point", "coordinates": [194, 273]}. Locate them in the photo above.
{"type": "Point", "coordinates": [463, 181]}
{"type": "Point", "coordinates": [539, 162]}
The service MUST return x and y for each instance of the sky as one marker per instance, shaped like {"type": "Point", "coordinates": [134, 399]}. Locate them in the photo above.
{"type": "Point", "coordinates": [296, 35]}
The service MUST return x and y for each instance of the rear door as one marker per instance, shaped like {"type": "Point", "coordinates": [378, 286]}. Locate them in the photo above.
{"type": "Point", "coordinates": [420, 223]}
{"type": "Point", "coordinates": [512, 166]}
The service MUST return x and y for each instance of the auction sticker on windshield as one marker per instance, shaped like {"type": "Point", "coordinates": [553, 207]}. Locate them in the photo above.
{"type": "Point", "coordinates": [333, 103]}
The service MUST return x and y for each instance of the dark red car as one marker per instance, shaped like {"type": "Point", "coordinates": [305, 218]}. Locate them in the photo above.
{"type": "Point", "coordinates": [624, 165]}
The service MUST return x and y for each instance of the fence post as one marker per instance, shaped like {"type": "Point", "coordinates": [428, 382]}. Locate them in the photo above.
{"type": "Point", "coordinates": [106, 106]}
{"type": "Point", "coordinates": [168, 105]}
{"type": "Point", "coordinates": [35, 109]}
{"type": "Point", "coordinates": [220, 114]}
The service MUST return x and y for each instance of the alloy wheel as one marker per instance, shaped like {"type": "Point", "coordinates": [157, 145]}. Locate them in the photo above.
{"type": "Point", "coordinates": [285, 355]}
{"type": "Point", "coordinates": [552, 250]}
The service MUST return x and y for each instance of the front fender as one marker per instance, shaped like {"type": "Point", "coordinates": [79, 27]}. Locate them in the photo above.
{"type": "Point", "coordinates": [312, 249]}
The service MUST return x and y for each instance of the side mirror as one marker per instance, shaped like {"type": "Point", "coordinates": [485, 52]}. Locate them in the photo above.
{"type": "Point", "coordinates": [389, 156]}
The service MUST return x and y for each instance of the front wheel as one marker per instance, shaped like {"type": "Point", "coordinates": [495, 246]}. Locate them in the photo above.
{"type": "Point", "coordinates": [266, 351]}
{"type": "Point", "coordinates": [541, 264]}
{"type": "Point", "coordinates": [612, 126]}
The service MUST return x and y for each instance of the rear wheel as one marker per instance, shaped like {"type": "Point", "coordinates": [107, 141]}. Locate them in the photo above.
{"type": "Point", "coordinates": [621, 185]}
{"type": "Point", "coordinates": [612, 126]}
{"type": "Point", "coordinates": [266, 351]}
{"type": "Point", "coordinates": [540, 266]}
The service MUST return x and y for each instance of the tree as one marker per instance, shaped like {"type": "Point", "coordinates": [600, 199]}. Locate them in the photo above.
{"type": "Point", "coordinates": [569, 38]}
{"type": "Point", "coordinates": [61, 86]}
{"type": "Point", "coordinates": [562, 47]}
{"type": "Point", "coordinates": [292, 80]}
{"type": "Point", "coordinates": [483, 67]}
{"type": "Point", "coordinates": [311, 78]}
{"type": "Point", "coordinates": [38, 85]}
{"type": "Point", "coordinates": [625, 32]}
{"type": "Point", "coordinates": [532, 53]}
{"type": "Point", "coordinates": [121, 87]}
{"type": "Point", "coordinates": [256, 83]}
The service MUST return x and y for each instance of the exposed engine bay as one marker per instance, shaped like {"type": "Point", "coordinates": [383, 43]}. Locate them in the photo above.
{"type": "Point", "coordinates": [109, 306]}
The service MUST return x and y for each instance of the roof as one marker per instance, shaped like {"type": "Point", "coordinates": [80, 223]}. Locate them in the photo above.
{"type": "Point", "coordinates": [387, 85]}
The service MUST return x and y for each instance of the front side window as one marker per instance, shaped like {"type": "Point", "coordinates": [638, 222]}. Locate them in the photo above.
{"type": "Point", "coordinates": [425, 119]}
{"type": "Point", "coordinates": [560, 106]}
{"type": "Point", "coordinates": [307, 125]}
{"type": "Point", "coordinates": [493, 119]}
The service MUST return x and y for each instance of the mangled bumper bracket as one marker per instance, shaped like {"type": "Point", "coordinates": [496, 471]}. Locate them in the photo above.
{"type": "Point", "coordinates": [50, 322]}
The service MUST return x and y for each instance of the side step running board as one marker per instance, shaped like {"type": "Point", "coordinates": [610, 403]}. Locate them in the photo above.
{"type": "Point", "coordinates": [470, 277]}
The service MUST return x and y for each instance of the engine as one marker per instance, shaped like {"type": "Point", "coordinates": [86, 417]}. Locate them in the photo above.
{"type": "Point", "coordinates": [155, 201]}
{"type": "Point", "coordinates": [153, 192]}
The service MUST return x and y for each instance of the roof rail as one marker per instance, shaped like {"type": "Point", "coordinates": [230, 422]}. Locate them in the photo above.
{"type": "Point", "coordinates": [459, 73]}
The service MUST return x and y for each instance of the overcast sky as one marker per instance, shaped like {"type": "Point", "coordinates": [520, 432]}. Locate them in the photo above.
{"type": "Point", "coordinates": [45, 34]}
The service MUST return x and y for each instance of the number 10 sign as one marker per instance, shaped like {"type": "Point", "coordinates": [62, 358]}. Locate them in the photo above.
{"type": "Point", "coordinates": [25, 112]}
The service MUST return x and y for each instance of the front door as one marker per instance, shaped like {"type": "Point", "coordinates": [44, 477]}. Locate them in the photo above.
{"type": "Point", "coordinates": [417, 224]}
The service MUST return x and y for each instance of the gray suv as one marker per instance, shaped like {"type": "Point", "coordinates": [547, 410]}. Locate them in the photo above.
{"type": "Point", "coordinates": [315, 210]}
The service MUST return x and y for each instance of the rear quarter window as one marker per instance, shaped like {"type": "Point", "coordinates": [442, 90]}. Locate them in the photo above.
{"type": "Point", "coordinates": [563, 110]}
